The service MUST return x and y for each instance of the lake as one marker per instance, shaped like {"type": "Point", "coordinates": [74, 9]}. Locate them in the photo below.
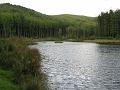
{"type": "Point", "coordinates": [80, 66]}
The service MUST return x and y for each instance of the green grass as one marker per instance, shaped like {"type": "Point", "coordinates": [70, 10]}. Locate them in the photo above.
{"type": "Point", "coordinates": [6, 80]}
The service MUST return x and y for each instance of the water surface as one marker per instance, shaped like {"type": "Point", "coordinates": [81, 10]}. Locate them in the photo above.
{"type": "Point", "coordinates": [81, 66]}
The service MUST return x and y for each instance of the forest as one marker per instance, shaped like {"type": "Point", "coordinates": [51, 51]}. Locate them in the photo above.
{"type": "Point", "coordinates": [18, 21]}
{"type": "Point", "coordinates": [109, 24]}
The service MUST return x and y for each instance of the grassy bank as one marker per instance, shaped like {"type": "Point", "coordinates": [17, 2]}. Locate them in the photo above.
{"type": "Point", "coordinates": [104, 41]}
{"type": "Point", "coordinates": [6, 82]}
{"type": "Point", "coordinates": [33, 41]}
{"type": "Point", "coordinates": [99, 41]}
{"type": "Point", "coordinates": [20, 66]}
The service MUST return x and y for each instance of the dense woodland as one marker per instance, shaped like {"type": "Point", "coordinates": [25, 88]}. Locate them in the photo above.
{"type": "Point", "coordinates": [109, 24]}
{"type": "Point", "coordinates": [18, 21]}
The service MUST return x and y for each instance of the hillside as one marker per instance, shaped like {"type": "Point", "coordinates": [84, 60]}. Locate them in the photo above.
{"type": "Point", "coordinates": [77, 19]}
{"type": "Point", "coordinates": [19, 21]}
{"type": "Point", "coordinates": [9, 8]}
{"type": "Point", "coordinates": [85, 24]}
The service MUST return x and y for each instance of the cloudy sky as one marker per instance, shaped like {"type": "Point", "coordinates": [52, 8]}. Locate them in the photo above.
{"type": "Point", "coordinates": [77, 7]}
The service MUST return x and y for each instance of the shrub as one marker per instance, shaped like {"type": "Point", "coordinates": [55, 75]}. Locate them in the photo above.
{"type": "Point", "coordinates": [25, 62]}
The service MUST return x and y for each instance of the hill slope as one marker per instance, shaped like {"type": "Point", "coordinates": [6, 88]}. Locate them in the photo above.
{"type": "Point", "coordinates": [80, 23]}
{"type": "Point", "coordinates": [77, 19]}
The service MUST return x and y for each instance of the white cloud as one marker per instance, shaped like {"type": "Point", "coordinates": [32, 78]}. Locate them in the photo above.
{"type": "Point", "coordinates": [79, 7]}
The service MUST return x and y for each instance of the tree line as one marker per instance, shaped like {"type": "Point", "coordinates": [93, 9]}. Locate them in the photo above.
{"type": "Point", "coordinates": [109, 24]}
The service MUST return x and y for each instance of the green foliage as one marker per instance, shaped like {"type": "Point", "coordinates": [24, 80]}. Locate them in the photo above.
{"type": "Point", "coordinates": [75, 20]}
{"type": "Point", "coordinates": [24, 62]}
{"type": "Point", "coordinates": [6, 52]}
{"type": "Point", "coordinates": [109, 24]}
{"type": "Point", "coordinates": [5, 80]}
{"type": "Point", "coordinates": [17, 21]}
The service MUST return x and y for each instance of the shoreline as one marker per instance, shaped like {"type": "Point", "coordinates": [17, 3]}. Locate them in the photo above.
{"type": "Point", "coordinates": [98, 41]}
{"type": "Point", "coordinates": [104, 41]}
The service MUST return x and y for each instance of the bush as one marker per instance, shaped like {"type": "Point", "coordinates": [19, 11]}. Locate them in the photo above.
{"type": "Point", "coordinates": [25, 62]}
{"type": "Point", "coordinates": [6, 54]}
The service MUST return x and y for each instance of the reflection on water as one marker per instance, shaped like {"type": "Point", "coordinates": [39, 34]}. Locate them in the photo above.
{"type": "Point", "coordinates": [81, 66]}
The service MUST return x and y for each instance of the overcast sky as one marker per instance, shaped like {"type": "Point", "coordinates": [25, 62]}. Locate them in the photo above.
{"type": "Point", "coordinates": [77, 7]}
